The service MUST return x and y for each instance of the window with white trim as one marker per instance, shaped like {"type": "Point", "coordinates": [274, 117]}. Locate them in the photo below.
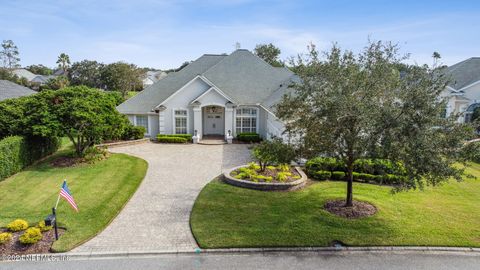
{"type": "Point", "coordinates": [246, 120]}
{"type": "Point", "coordinates": [180, 121]}
{"type": "Point", "coordinates": [142, 121]}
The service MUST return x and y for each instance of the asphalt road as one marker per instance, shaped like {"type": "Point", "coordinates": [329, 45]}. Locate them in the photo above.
{"type": "Point", "coordinates": [257, 261]}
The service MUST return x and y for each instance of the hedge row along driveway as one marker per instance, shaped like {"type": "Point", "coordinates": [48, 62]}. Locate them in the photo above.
{"type": "Point", "coordinates": [228, 216]}
{"type": "Point", "coordinates": [100, 191]}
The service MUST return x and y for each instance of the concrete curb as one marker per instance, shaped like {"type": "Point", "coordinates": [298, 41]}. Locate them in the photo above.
{"type": "Point", "coordinates": [321, 250]}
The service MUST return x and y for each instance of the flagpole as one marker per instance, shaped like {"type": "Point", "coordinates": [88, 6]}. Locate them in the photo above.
{"type": "Point", "coordinates": [58, 199]}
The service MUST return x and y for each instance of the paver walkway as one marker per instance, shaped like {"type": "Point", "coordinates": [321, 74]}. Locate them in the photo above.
{"type": "Point", "coordinates": [157, 216]}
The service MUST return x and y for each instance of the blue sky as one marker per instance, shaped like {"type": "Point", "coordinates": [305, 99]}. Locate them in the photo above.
{"type": "Point", "coordinates": [164, 34]}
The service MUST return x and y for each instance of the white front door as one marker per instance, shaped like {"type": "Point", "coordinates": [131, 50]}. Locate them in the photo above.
{"type": "Point", "coordinates": [214, 122]}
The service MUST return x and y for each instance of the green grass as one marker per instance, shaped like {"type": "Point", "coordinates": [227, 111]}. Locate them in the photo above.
{"type": "Point", "coordinates": [228, 216]}
{"type": "Point", "coordinates": [100, 191]}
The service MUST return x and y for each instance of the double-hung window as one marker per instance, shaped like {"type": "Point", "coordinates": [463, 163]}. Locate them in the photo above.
{"type": "Point", "coordinates": [180, 121]}
{"type": "Point", "coordinates": [142, 121]}
{"type": "Point", "coordinates": [246, 120]}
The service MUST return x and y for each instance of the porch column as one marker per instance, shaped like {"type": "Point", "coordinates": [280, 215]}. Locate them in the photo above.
{"type": "Point", "coordinates": [197, 121]}
{"type": "Point", "coordinates": [228, 120]}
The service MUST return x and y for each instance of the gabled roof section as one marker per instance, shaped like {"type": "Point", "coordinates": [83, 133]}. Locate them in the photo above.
{"type": "Point", "coordinates": [9, 89]}
{"type": "Point", "coordinates": [240, 77]}
{"type": "Point", "coordinates": [246, 78]}
{"type": "Point", "coordinates": [156, 93]}
{"type": "Point", "coordinates": [464, 73]}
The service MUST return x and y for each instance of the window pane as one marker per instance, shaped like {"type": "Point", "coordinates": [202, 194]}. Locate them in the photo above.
{"type": "Point", "coordinates": [142, 121]}
{"type": "Point", "coordinates": [181, 112]}
{"type": "Point", "coordinates": [180, 125]}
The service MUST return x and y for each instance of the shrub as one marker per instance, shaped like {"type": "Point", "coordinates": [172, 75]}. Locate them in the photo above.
{"type": "Point", "coordinates": [17, 225]}
{"type": "Point", "coordinates": [172, 140]}
{"type": "Point", "coordinates": [273, 152]}
{"type": "Point", "coordinates": [337, 175]}
{"type": "Point", "coordinates": [272, 168]}
{"type": "Point", "coordinates": [18, 152]}
{"type": "Point", "coordinates": [259, 177]}
{"type": "Point", "coordinates": [324, 164]}
{"type": "Point", "coordinates": [186, 136]}
{"type": "Point", "coordinates": [5, 237]}
{"type": "Point", "coordinates": [138, 132]}
{"type": "Point", "coordinates": [253, 166]}
{"type": "Point", "coordinates": [322, 175]}
{"type": "Point", "coordinates": [283, 167]}
{"type": "Point", "coordinates": [31, 236]}
{"type": "Point", "coordinates": [133, 132]}
{"type": "Point", "coordinates": [283, 176]}
{"type": "Point", "coordinates": [95, 154]}
{"type": "Point", "coordinates": [42, 227]}
{"type": "Point", "coordinates": [366, 177]}
{"type": "Point", "coordinates": [249, 137]}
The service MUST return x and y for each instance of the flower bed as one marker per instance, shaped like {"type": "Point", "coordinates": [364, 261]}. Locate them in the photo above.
{"type": "Point", "coordinates": [281, 177]}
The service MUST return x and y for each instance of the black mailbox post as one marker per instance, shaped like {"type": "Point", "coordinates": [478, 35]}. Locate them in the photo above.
{"type": "Point", "coordinates": [51, 220]}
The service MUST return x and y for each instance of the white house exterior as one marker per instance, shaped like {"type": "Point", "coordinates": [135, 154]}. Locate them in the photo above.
{"type": "Point", "coordinates": [463, 93]}
{"type": "Point", "coordinates": [214, 95]}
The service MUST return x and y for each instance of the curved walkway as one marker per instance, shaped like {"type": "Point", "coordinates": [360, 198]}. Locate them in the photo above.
{"type": "Point", "coordinates": [157, 216]}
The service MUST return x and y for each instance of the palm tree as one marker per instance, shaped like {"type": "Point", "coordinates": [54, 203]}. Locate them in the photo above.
{"type": "Point", "coordinates": [63, 62]}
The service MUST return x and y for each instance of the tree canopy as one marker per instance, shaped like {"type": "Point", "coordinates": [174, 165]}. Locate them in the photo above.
{"type": "Point", "coordinates": [122, 77]}
{"type": "Point", "coordinates": [9, 54]}
{"type": "Point", "coordinates": [63, 62]}
{"type": "Point", "coordinates": [269, 53]}
{"type": "Point", "coordinates": [86, 116]}
{"type": "Point", "coordinates": [88, 73]}
{"type": "Point", "coordinates": [39, 69]}
{"type": "Point", "coordinates": [352, 106]}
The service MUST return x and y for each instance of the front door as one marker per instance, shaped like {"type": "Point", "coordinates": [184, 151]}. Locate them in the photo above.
{"type": "Point", "coordinates": [213, 121]}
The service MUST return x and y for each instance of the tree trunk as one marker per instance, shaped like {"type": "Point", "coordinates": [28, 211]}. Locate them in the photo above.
{"type": "Point", "coordinates": [349, 200]}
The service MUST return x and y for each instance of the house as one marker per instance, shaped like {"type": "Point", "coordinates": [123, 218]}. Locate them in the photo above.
{"type": "Point", "coordinates": [9, 90]}
{"type": "Point", "coordinates": [463, 93]}
{"type": "Point", "coordinates": [31, 77]}
{"type": "Point", "coordinates": [214, 95]}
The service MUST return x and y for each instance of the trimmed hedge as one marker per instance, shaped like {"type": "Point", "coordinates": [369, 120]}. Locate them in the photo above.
{"type": "Point", "coordinates": [185, 136]}
{"type": "Point", "coordinates": [172, 140]}
{"type": "Point", "coordinates": [380, 171]}
{"type": "Point", "coordinates": [249, 137]}
{"type": "Point", "coordinates": [18, 152]}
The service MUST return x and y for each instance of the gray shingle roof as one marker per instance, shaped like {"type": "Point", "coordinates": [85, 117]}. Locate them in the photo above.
{"type": "Point", "coordinates": [464, 73]}
{"type": "Point", "coordinates": [241, 75]}
{"type": "Point", "coordinates": [9, 89]}
{"type": "Point", "coordinates": [156, 93]}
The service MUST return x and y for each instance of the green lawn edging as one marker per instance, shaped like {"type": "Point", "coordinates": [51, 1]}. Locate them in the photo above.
{"type": "Point", "coordinates": [225, 216]}
{"type": "Point", "coordinates": [101, 190]}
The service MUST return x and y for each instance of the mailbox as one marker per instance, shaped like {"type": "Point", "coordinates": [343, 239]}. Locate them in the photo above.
{"type": "Point", "coordinates": [50, 220]}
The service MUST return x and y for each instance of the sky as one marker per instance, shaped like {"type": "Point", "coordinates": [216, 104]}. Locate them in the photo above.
{"type": "Point", "coordinates": [163, 34]}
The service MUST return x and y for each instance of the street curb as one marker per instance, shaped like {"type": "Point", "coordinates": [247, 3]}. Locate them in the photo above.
{"type": "Point", "coordinates": [322, 250]}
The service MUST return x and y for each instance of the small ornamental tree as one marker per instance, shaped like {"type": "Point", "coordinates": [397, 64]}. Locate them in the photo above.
{"type": "Point", "coordinates": [84, 115]}
{"type": "Point", "coordinates": [272, 152]}
{"type": "Point", "coordinates": [351, 106]}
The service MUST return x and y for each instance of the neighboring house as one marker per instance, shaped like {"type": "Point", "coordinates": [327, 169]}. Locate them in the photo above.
{"type": "Point", "coordinates": [463, 92]}
{"type": "Point", "coordinates": [9, 90]}
{"type": "Point", "coordinates": [31, 77]}
{"type": "Point", "coordinates": [24, 73]}
{"type": "Point", "coordinates": [152, 77]}
{"type": "Point", "coordinates": [213, 95]}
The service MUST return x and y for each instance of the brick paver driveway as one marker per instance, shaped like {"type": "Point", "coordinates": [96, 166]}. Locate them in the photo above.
{"type": "Point", "coordinates": [157, 216]}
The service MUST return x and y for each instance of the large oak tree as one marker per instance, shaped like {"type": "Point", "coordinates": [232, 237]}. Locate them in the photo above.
{"type": "Point", "coordinates": [372, 104]}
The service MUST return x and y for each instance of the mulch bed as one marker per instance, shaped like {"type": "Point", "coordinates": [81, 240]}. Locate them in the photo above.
{"type": "Point", "coordinates": [14, 247]}
{"type": "Point", "coordinates": [358, 210]}
{"type": "Point", "coordinates": [66, 161]}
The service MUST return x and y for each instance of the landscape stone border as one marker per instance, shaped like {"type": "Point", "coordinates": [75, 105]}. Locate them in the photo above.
{"type": "Point", "coordinates": [264, 186]}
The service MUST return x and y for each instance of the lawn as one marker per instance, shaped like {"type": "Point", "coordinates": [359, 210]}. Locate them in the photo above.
{"type": "Point", "coordinates": [100, 190]}
{"type": "Point", "coordinates": [228, 216]}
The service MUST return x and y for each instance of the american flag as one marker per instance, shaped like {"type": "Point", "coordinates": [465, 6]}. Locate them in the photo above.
{"type": "Point", "coordinates": [65, 193]}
